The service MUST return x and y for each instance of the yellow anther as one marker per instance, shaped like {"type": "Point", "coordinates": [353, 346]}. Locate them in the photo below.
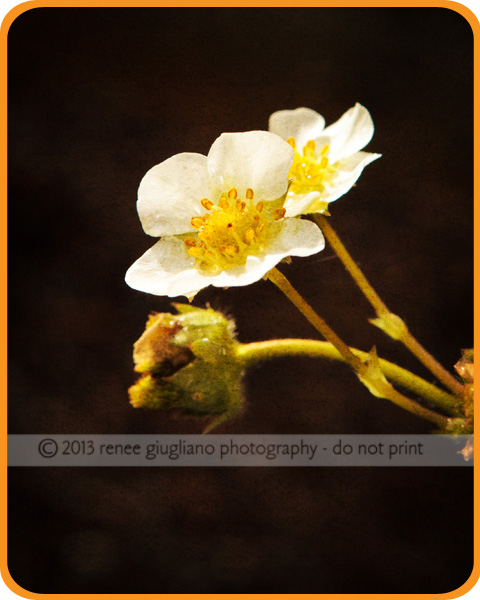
{"type": "Point", "coordinates": [291, 141]}
{"type": "Point", "coordinates": [312, 170]}
{"type": "Point", "coordinates": [249, 234]}
{"type": "Point", "coordinates": [309, 148]}
{"type": "Point", "coordinates": [231, 229]}
{"type": "Point", "coordinates": [207, 204]}
{"type": "Point", "coordinates": [196, 222]}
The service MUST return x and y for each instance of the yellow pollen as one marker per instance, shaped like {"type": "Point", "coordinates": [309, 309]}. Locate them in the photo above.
{"type": "Point", "coordinates": [196, 252]}
{"type": "Point", "coordinates": [196, 222]}
{"type": "Point", "coordinates": [207, 204]}
{"type": "Point", "coordinates": [311, 170]}
{"type": "Point", "coordinates": [291, 141]}
{"type": "Point", "coordinates": [234, 229]}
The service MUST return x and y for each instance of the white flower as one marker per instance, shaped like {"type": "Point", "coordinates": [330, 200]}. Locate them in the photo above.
{"type": "Point", "coordinates": [327, 160]}
{"type": "Point", "coordinates": [220, 217]}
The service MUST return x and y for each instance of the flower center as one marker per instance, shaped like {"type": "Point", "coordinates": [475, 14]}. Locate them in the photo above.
{"type": "Point", "coordinates": [231, 231]}
{"type": "Point", "coordinates": [310, 170]}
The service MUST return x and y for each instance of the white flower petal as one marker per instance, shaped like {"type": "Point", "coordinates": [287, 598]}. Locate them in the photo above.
{"type": "Point", "coordinates": [235, 277]}
{"type": "Point", "coordinates": [298, 204]}
{"type": "Point", "coordinates": [169, 195]}
{"type": "Point", "coordinates": [349, 170]}
{"type": "Point", "coordinates": [303, 124]}
{"type": "Point", "coordinates": [296, 237]}
{"type": "Point", "coordinates": [166, 270]}
{"type": "Point", "coordinates": [255, 159]}
{"type": "Point", "coordinates": [350, 133]}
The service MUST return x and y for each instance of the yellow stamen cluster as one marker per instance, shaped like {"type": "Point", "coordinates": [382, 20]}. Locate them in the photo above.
{"type": "Point", "coordinates": [230, 231]}
{"type": "Point", "coordinates": [311, 170]}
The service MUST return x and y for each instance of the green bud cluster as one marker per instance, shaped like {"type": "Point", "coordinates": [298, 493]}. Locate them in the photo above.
{"type": "Point", "coordinates": [189, 365]}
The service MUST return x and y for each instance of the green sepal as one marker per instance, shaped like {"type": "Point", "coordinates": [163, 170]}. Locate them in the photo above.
{"type": "Point", "coordinates": [392, 325]}
{"type": "Point", "coordinates": [374, 379]}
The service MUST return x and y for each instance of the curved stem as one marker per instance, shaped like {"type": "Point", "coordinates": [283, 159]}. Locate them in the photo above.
{"type": "Point", "coordinates": [257, 351]}
{"type": "Point", "coordinates": [402, 333]}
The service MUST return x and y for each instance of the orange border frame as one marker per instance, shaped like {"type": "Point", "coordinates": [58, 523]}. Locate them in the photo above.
{"type": "Point", "coordinates": [15, 12]}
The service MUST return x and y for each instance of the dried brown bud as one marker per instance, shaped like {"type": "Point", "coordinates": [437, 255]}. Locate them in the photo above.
{"type": "Point", "coordinates": [154, 353]}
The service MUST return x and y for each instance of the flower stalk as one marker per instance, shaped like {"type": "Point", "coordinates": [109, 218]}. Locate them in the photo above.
{"type": "Point", "coordinates": [320, 325]}
{"type": "Point", "coordinates": [369, 371]}
{"type": "Point", "coordinates": [389, 322]}
{"type": "Point", "coordinates": [258, 351]}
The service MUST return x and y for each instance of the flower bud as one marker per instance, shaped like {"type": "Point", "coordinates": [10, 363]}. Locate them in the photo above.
{"type": "Point", "coordinates": [153, 352]}
{"type": "Point", "coordinates": [189, 365]}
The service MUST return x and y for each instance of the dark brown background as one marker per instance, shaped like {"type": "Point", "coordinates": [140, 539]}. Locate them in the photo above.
{"type": "Point", "coordinates": [97, 97]}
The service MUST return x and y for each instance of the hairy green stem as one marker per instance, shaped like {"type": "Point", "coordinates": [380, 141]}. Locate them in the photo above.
{"type": "Point", "coordinates": [320, 325]}
{"type": "Point", "coordinates": [257, 351]}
